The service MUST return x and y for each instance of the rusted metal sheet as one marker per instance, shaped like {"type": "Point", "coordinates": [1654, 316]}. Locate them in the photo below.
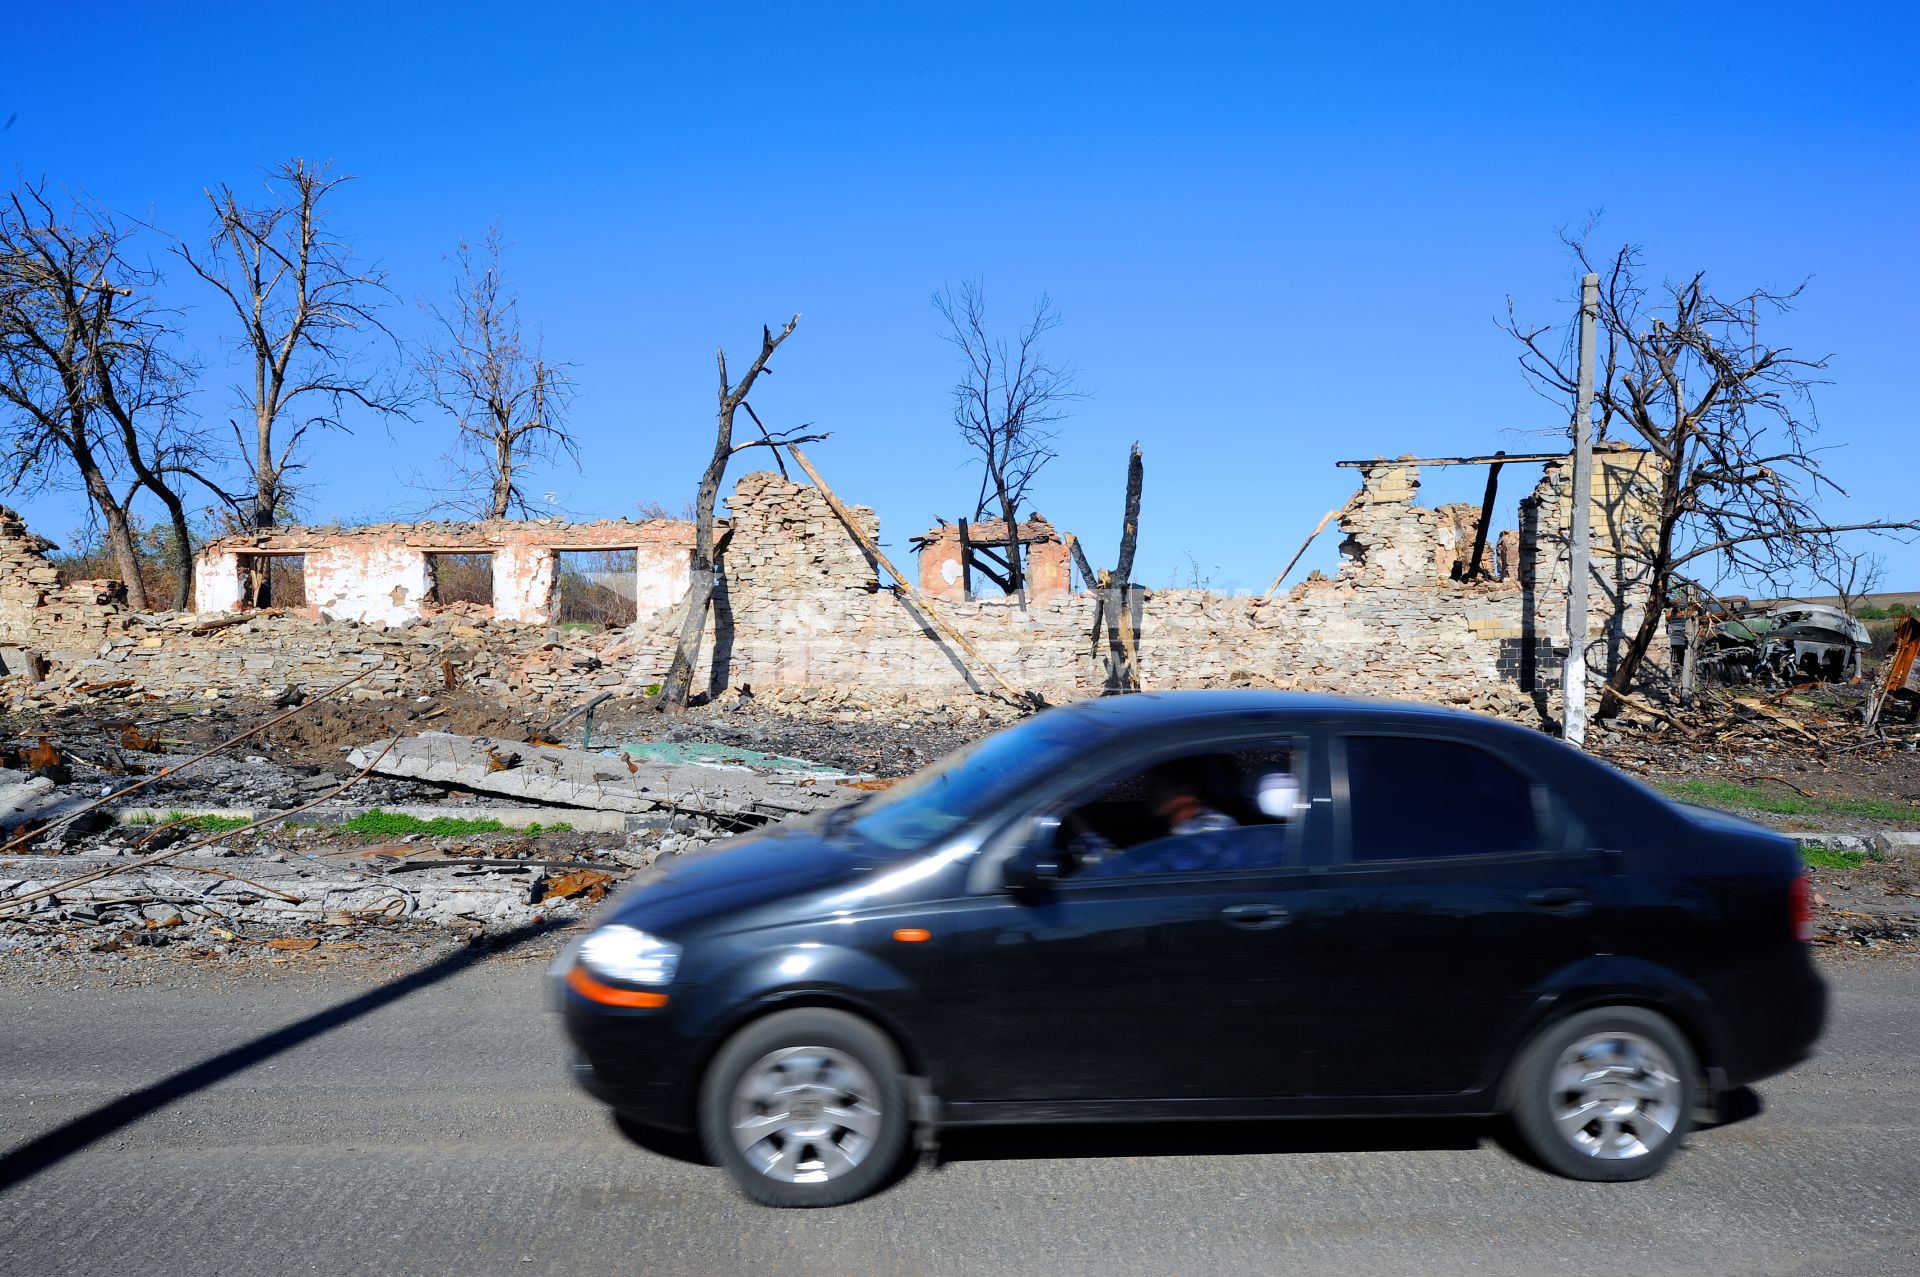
{"type": "Point", "coordinates": [1902, 678]}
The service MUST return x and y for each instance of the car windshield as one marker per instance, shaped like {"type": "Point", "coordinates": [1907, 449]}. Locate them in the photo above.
{"type": "Point", "coordinates": [970, 783]}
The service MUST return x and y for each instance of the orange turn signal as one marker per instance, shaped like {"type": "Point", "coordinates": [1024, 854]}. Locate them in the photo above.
{"type": "Point", "coordinates": [607, 995]}
{"type": "Point", "coordinates": [912, 935]}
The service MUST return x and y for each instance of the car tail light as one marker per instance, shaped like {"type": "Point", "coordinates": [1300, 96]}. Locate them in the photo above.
{"type": "Point", "coordinates": [1802, 908]}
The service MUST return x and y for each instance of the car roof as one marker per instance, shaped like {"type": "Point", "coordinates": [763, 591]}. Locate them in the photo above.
{"type": "Point", "coordinates": [1608, 800]}
{"type": "Point", "coordinates": [1157, 709]}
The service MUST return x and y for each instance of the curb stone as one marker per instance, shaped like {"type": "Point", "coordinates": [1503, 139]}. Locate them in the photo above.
{"type": "Point", "coordinates": [1898, 842]}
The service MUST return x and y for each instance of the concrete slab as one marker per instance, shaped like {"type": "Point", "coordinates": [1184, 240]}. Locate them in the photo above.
{"type": "Point", "coordinates": [28, 799]}
{"type": "Point", "coordinates": [731, 794]}
{"type": "Point", "coordinates": [1834, 842]}
{"type": "Point", "coordinates": [709, 754]}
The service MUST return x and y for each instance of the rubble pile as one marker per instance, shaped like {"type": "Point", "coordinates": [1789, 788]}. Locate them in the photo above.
{"type": "Point", "coordinates": [306, 845]}
{"type": "Point", "coordinates": [266, 653]}
{"type": "Point", "coordinates": [1823, 722]}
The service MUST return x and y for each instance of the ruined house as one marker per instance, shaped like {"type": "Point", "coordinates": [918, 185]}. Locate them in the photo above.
{"type": "Point", "coordinates": [800, 605]}
{"type": "Point", "coordinates": [389, 573]}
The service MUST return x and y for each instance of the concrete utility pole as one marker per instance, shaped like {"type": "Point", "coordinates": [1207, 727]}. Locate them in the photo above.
{"type": "Point", "coordinates": [1573, 676]}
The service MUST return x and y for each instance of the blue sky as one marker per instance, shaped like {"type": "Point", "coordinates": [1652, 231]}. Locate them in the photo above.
{"type": "Point", "coordinates": [1276, 237]}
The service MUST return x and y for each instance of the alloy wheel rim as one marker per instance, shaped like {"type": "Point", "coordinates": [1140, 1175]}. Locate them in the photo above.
{"type": "Point", "coordinates": [1615, 1096]}
{"type": "Point", "coordinates": [805, 1114]}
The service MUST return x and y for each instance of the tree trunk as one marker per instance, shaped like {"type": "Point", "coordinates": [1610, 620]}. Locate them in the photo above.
{"type": "Point", "coordinates": [1111, 588]}
{"type": "Point", "coordinates": [126, 557]}
{"type": "Point", "coordinates": [1016, 579]}
{"type": "Point", "coordinates": [1120, 608]}
{"type": "Point", "coordinates": [502, 502]}
{"type": "Point", "coordinates": [1650, 627]}
{"type": "Point", "coordinates": [1661, 580]}
{"type": "Point", "coordinates": [182, 549]}
{"type": "Point", "coordinates": [679, 681]}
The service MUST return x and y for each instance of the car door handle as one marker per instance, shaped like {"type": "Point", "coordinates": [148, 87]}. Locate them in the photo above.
{"type": "Point", "coordinates": [1255, 917]}
{"type": "Point", "coordinates": [1568, 900]}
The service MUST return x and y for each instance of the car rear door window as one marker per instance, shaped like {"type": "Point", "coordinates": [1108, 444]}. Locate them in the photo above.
{"type": "Point", "coordinates": [1412, 797]}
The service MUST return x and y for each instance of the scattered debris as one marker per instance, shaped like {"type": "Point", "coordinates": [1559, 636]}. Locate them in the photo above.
{"type": "Point", "coordinates": [591, 883]}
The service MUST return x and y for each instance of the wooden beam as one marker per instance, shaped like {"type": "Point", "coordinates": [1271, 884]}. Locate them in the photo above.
{"type": "Point", "coordinates": [1318, 528]}
{"type": "Point", "coordinates": [966, 563]}
{"type": "Point", "coordinates": [1497, 459]}
{"type": "Point", "coordinates": [1486, 518]}
{"type": "Point", "coordinates": [906, 587]}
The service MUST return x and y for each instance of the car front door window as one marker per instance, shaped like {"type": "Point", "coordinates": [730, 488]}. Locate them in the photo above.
{"type": "Point", "coordinates": [1217, 812]}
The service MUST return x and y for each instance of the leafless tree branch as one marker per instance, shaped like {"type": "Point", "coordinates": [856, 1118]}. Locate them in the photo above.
{"type": "Point", "coordinates": [507, 400]}
{"type": "Point", "coordinates": [305, 310]}
{"type": "Point", "coordinates": [1684, 373]}
{"type": "Point", "coordinates": [1008, 403]}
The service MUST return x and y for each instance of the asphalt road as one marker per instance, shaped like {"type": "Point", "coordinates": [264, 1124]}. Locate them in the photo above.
{"type": "Point", "coordinates": [335, 1121]}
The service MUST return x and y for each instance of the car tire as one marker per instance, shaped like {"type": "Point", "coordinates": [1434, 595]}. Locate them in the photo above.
{"type": "Point", "coordinates": [1604, 1095]}
{"type": "Point", "coordinates": [806, 1108]}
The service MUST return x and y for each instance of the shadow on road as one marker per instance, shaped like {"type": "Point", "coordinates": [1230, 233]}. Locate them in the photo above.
{"type": "Point", "coordinates": [37, 1154]}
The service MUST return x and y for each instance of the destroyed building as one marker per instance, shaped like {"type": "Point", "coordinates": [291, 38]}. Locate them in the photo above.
{"type": "Point", "coordinates": [801, 606]}
{"type": "Point", "coordinates": [390, 573]}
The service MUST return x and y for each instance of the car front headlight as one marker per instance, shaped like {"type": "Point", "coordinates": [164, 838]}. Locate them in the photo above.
{"type": "Point", "coordinates": [630, 956]}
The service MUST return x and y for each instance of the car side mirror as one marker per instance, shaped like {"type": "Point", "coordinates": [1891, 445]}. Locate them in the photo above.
{"type": "Point", "coordinates": [1039, 862]}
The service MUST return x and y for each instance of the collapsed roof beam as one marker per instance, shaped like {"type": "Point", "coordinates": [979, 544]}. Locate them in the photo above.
{"type": "Point", "coordinates": [1498, 458]}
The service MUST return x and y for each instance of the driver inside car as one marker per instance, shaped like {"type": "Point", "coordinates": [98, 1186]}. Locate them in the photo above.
{"type": "Point", "coordinates": [1174, 792]}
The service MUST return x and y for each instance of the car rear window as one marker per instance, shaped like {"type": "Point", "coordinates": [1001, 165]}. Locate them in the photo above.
{"type": "Point", "coordinates": [1412, 797]}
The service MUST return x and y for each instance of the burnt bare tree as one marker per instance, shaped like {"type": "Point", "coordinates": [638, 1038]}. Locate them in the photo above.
{"type": "Point", "coordinates": [1115, 588]}
{"type": "Point", "coordinates": [678, 684]}
{"type": "Point", "coordinates": [305, 309]}
{"type": "Point", "coordinates": [1851, 575]}
{"type": "Point", "coordinates": [1684, 373]}
{"type": "Point", "coordinates": [84, 365]}
{"type": "Point", "coordinates": [1009, 400]}
{"type": "Point", "coordinates": [508, 402]}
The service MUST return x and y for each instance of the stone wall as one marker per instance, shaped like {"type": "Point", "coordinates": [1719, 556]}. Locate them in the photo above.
{"type": "Point", "coordinates": [803, 606]}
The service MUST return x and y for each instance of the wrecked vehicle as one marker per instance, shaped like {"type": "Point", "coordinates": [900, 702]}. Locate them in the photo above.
{"type": "Point", "coordinates": [1203, 905]}
{"type": "Point", "coordinates": [1798, 642]}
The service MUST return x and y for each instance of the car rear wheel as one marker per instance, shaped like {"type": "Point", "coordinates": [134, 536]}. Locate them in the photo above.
{"type": "Point", "coordinates": [1605, 1094]}
{"type": "Point", "coordinates": [806, 1108]}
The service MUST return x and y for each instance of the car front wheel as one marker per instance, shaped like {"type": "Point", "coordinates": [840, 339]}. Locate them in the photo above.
{"type": "Point", "coordinates": [1604, 1094]}
{"type": "Point", "coordinates": [806, 1108]}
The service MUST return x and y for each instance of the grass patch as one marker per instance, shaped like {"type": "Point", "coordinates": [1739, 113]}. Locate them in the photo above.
{"type": "Point", "coordinates": [1720, 793]}
{"type": "Point", "coordinates": [1821, 858]}
{"type": "Point", "coordinates": [205, 823]}
{"type": "Point", "coordinates": [391, 824]}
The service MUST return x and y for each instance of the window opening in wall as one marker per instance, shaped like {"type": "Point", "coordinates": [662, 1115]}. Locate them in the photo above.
{"type": "Point", "coordinates": [595, 588]}
{"type": "Point", "coordinates": [460, 578]}
{"type": "Point", "coordinates": [273, 580]}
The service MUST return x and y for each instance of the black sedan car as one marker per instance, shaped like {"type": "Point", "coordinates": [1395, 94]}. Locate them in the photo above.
{"type": "Point", "coordinates": [1204, 905]}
